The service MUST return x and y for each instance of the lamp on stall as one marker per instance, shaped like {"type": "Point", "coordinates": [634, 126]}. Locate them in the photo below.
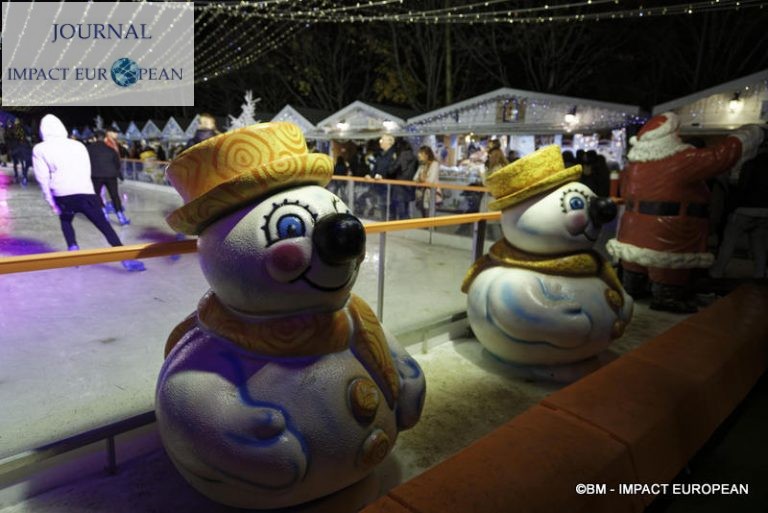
{"type": "Point", "coordinates": [735, 104]}
{"type": "Point", "coordinates": [389, 125]}
{"type": "Point", "coordinates": [341, 125]}
{"type": "Point", "coordinates": [571, 118]}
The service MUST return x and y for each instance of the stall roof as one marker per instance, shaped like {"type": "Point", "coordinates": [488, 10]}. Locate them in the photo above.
{"type": "Point", "coordinates": [710, 109]}
{"type": "Point", "coordinates": [727, 87]}
{"type": "Point", "coordinates": [151, 130]}
{"type": "Point", "coordinates": [292, 114]}
{"type": "Point", "coordinates": [132, 133]}
{"type": "Point", "coordinates": [172, 131]}
{"type": "Point", "coordinates": [507, 110]}
{"type": "Point", "coordinates": [363, 120]}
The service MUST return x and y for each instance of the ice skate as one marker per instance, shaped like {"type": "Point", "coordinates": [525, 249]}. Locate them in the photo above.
{"type": "Point", "coordinates": [122, 218]}
{"type": "Point", "coordinates": [133, 266]}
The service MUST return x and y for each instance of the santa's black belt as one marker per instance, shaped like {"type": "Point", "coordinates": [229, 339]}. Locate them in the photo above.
{"type": "Point", "coordinates": [667, 208]}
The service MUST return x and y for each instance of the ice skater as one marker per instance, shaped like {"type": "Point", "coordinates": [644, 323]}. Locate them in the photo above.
{"type": "Point", "coordinates": [105, 171]}
{"type": "Point", "coordinates": [20, 151]}
{"type": "Point", "coordinates": [63, 170]}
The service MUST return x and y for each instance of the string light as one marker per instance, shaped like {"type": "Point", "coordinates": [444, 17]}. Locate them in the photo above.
{"type": "Point", "coordinates": [510, 112]}
{"type": "Point", "coordinates": [464, 14]}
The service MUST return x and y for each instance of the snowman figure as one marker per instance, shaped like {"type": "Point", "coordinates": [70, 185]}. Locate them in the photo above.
{"type": "Point", "coordinates": [541, 297]}
{"type": "Point", "coordinates": [282, 387]}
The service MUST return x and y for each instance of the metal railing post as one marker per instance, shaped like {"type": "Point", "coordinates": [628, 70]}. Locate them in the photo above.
{"type": "Point", "coordinates": [478, 239]}
{"type": "Point", "coordinates": [389, 196]}
{"type": "Point", "coordinates": [351, 196]}
{"type": "Point", "coordinates": [380, 281]}
{"type": "Point", "coordinates": [432, 209]}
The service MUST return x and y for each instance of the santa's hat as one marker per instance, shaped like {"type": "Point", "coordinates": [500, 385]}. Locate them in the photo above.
{"type": "Point", "coordinates": [657, 139]}
{"type": "Point", "coordinates": [659, 126]}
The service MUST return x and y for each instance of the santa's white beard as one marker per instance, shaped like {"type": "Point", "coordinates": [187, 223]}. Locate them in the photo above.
{"type": "Point", "coordinates": [655, 149]}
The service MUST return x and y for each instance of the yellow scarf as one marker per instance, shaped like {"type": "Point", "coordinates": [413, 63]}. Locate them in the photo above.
{"type": "Point", "coordinates": [586, 263]}
{"type": "Point", "coordinates": [303, 334]}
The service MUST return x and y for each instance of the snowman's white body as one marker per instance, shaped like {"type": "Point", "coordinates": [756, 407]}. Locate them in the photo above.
{"type": "Point", "coordinates": [259, 431]}
{"type": "Point", "coordinates": [536, 318]}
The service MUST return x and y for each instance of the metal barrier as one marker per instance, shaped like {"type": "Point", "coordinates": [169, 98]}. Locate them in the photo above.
{"type": "Point", "coordinates": [363, 196]}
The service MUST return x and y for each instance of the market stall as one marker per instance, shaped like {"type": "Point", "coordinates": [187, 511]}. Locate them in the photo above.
{"type": "Point", "coordinates": [722, 108]}
{"type": "Point", "coordinates": [705, 118]}
{"type": "Point", "coordinates": [521, 121]}
{"type": "Point", "coordinates": [360, 120]}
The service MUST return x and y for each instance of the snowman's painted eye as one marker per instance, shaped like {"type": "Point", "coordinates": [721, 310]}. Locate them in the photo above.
{"type": "Point", "coordinates": [289, 226]}
{"type": "Point", "coordinates": [288, 220]}
{"type": "Point", "coordinates": [574, 198]}
{"type": "Point", "coordinates": [576, 203]}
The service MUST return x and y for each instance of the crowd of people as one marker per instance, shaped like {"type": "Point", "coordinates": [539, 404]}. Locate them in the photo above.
{"type": "Point", "coordinates": [744, 207]}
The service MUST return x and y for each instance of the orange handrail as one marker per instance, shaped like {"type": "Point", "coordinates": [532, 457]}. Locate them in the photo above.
{"type": "Point", "coordinates": [429, 222]}
{"type": "Point", "coordinates": [59, 259]}
{"type": "Point", "coordinates": [408, 183]}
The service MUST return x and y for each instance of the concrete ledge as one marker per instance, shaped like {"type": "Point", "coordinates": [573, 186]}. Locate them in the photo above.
{"type": "Point", "coordinates": [539, 458]}
{"type": "Point", "coordinates": [638, 420]}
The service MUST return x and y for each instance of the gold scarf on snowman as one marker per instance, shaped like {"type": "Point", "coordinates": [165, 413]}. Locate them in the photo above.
{"type": "Point", "coordinates": [303, 334]}
{"type": "Point", "coordinates": [586, 263]}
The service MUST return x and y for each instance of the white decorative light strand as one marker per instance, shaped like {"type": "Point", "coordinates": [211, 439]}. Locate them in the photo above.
{"type": "Point", "coordinates": [508, 15]}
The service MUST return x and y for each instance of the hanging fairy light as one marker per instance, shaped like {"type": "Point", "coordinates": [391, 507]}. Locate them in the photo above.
{"type": "Point", "coordinates": [571, 118]}
{"type": "Point", "coordinates": [474, 13]}
{"type": "Point", "coordinates": [735, 104]}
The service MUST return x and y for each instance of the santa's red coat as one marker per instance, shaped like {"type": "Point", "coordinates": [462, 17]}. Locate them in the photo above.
{"type": "Point", "coordinates": [671, 241]}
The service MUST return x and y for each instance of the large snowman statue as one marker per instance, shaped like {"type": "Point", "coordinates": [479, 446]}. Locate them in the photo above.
{"type": "Point", "coordinates": [541, 297]}
{"type": "Point", "coordinates": [282, 387]}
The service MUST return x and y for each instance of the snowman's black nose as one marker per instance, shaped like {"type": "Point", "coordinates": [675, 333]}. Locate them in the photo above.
{"type": "Point", "coordinates": [601, 211]}
{"type": "Point", "coordinates": [339, 238]}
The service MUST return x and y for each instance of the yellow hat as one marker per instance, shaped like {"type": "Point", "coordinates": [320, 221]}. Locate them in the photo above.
{"type": "Point", "coordinates": [226, 172]}
{"type": "Point", "coordinates": [541, 171]}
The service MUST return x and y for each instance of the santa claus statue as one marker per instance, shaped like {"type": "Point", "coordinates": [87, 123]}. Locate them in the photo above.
{"type": "Point", "coordinates": [663, 233]}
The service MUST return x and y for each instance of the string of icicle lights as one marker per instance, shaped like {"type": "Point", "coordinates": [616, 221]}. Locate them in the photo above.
{"type": "Point", "coordinates": [489, 11]}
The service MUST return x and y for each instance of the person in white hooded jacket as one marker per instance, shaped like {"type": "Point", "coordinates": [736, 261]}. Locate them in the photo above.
{"type": "Point", "coordinates": [63, 170]}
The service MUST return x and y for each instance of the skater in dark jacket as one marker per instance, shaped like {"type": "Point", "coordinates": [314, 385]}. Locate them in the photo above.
{"type": "Point", "coordinates": [105, 171]}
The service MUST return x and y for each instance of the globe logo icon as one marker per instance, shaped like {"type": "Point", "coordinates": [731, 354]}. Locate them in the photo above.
{"type": "Point", "coordinates": [125, 72]}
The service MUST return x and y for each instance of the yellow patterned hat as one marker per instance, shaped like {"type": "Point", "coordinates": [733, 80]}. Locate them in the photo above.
{"type": "Point", "coordinates": [541, 171]}
{"type": "Point", "coordinates": [226, 172]}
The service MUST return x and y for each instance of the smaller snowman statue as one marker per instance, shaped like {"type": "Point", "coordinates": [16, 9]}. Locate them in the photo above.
{"type": "Point", "coordinates": [282, 387]}
{"type": "Point", "coordinates": [541, 297]}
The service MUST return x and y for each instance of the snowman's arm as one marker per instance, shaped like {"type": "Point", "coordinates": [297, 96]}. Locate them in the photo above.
{"type": "Point", "coordinates": [525, 306]}
{"type": "Point", "coordinates": [412, 384]}
{"type": "Point", "coordinates": [244, 428]}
